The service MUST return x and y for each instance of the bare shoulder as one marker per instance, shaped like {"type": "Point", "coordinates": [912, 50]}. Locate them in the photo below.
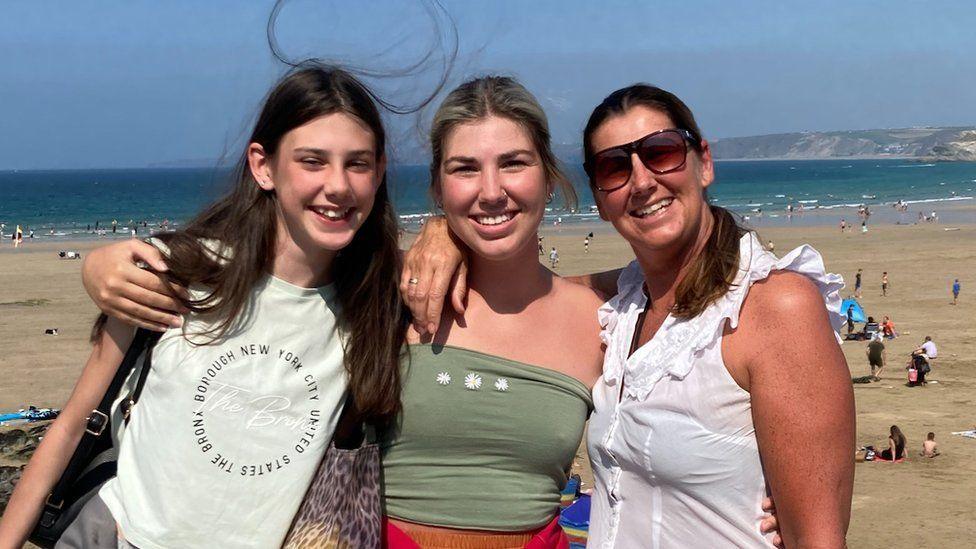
{"type": "Point", "coordinates": [782, 319]}
{"type": "Point", "coordinates": [782, 296]}
{"type": "Point", "coordinates": [572, 313]}
{"type": "Point", "coordinates": [604, 284]}
{"type": "Point", "coordinates": [571, 294]}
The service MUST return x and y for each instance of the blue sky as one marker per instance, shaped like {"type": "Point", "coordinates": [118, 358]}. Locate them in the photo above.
{"type": "Point", "coordinates": [130, 84]}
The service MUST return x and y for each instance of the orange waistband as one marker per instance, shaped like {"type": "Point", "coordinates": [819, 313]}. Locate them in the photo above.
{"type": "Point", "coordinates": [436, 538]}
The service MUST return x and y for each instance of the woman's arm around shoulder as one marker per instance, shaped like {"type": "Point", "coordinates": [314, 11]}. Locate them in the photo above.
{"type": "Point", "coordinates": [802, 406]}
{"type": "Point", "coordinates": [120, 288]}
{"type": "Point", "coordinates": [61, 438]}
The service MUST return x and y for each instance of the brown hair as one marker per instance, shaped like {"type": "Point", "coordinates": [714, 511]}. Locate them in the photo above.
{"type": "Point", "coordinates": [900, 440]}
{"type": "Point", "coordinates": [244, 222]}
{"type": "Point", "coordinates": [504, 97]}
{"type": "Point", "coordinates": [713, 271]}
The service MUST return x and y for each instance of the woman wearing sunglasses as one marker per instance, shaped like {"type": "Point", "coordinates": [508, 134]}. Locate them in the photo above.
{"type": "Point", "coordinates": [709, 399]}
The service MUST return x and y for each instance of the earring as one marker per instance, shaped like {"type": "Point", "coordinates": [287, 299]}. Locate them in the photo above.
{"type": "Point", "coordinates": [439, 205]}
{"type": "Point", "coordinates": [550, 196]}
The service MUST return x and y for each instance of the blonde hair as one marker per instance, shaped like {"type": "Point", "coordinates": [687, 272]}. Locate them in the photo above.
{"type": "Point", "coordinates": [504, 97]}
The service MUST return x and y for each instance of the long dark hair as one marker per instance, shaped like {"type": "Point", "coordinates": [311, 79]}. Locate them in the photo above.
{"type": "Point", "coordinates": [713, 272]}
{"type": "Point", "coordinates": [244, 223]}
{"type": "Point", "coordinates": [900, 440]}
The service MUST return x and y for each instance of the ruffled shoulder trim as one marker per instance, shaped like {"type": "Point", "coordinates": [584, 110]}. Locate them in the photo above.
{"type": "Point", "coordinates": [678, 343]}
{"type": "Point", "coordinates": [755, 264]}
{"type": "Point", "coordinates": [630, 285]}
{"type": "Point", "coordinates": [628, 302]}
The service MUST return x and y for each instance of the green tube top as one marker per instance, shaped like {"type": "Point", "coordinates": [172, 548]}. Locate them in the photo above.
{"type": "Point", "coordinates": [483, 442]}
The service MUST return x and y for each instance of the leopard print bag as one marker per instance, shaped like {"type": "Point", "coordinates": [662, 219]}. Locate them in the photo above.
{"type": "Point", "coordinates": [342, 508]}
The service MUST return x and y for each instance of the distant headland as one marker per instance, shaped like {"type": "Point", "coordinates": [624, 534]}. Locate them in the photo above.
{"type": "Point", "coordinates": [925, 144]}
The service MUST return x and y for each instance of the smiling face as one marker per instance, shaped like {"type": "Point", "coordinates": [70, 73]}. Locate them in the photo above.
{"type": "Point", "coordinates": [324, 175]}
{"type": "Point", "coordinates": [654, 212]}
{"type": "Point", "coordinates": [493, 187]}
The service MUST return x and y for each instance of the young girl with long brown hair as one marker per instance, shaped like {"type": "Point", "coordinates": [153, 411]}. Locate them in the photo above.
{"type": "Point", "coordinates": [292, 302]}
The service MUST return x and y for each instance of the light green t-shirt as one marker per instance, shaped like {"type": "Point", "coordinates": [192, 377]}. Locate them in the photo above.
{"type": "Point", "coordinates": [226, 437]}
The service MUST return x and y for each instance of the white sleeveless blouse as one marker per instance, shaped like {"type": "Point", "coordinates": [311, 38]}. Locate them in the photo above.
{"type": "Point", "coordinates": [675, 456]}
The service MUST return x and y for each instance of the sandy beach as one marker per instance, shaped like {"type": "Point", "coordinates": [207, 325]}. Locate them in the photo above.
{"type": "Point", "coordinates": [921, 502]}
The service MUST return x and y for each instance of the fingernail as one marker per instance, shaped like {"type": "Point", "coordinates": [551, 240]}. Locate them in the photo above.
{"type": "Point", "coordinates": [176, 321]}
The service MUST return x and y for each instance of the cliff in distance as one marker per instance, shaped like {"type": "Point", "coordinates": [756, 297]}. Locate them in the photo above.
{"type": "Point", "coordinates": [929, 144]}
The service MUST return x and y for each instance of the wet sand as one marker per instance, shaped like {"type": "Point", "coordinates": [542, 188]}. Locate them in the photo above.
{"type": "Point", "coordinates": [921, 502]}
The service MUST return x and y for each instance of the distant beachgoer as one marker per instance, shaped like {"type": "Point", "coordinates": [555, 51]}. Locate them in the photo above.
{"type": "Point", "coordinates": [542, 251]}
{"type": "Point", "coordinates": [955, 291]}
{"type": "Point", "coordinates": [876, 356]}
{"type": "Point", "coordinates": [770, 246]}
{"type": "Point", "coordinates": [928, 348]}
{"type": "Point", "coordinates": [934, 218]}
{"type": "Point", "coordinates": [896, 445]}
{"type": "Point", "coordinates": [871, 328]}
{"type": "Point", "coordinates": [864, 227]}
{"type": "Point", "coordinates": [850, 320]}
{"type": "Point", "coordinates": [18, 236]}
{"type": "Point", "coordinates": [843, 225]}
{"type": "Point", "coordinates": [857, 284]}
{"type": "Point", "coordinates": [115, 224]}
{"type": "Point", "coordinates": [586, 245]}
{"type": "Point", "coordinates": [884, 284]}
{"type": "Point", "coordinates": [554, 257]}
{"type": "Point", "coordinates": [922, 358]}
{"type": "Point", "coordinates": [888, 328]}
{"type": "Point", "coordinates": [30, 234]}
{"type": "Point", "coordinates": [930, 448]}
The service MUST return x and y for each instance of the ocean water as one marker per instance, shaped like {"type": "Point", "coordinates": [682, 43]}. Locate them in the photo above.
{"type": "Point", "coordinates": [67, 204]}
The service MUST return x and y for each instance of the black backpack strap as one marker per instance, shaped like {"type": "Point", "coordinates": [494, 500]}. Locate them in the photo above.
{"type": "Point", "coordinates": [98, 420]}
{"type": "Point", "coordinates": [141, 381]}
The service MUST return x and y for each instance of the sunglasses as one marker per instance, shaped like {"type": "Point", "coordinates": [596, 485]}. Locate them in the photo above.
{"type": "Point", "coordinates": [661, 152]}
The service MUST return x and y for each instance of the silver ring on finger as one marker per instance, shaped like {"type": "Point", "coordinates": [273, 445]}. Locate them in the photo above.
{"type": "Point", "coordinates": [413, 281]}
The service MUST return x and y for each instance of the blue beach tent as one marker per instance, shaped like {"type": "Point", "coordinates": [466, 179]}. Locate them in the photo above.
{"type": "Point", "coordinates": [857, 314]}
